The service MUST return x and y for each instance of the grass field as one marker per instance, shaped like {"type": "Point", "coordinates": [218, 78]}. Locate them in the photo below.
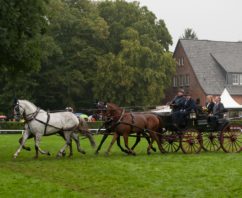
{"type": "Point", "coordinates": [159, 175]}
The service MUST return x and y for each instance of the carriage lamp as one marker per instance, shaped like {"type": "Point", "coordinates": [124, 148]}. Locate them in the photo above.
{"type": "Point", "coordinates": [193, 115]}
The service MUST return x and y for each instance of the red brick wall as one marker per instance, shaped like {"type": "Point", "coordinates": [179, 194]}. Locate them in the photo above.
{"type": "Point", "coordinates": [194, 87]}
{"type": "Point", "coordinates": [238, 99]}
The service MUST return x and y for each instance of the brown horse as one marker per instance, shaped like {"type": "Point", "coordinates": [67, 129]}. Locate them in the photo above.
{"type": "Point", "coordinates": [125, 123]}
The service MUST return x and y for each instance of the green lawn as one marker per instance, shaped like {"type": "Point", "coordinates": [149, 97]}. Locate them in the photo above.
{"type": "Point", "coordinates": [159, 175]}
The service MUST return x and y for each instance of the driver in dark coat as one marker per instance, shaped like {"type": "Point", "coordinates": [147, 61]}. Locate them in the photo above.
{"type": "Point", "coordinates": [177, 104]}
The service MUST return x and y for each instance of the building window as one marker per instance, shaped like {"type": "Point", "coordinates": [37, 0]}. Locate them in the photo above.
{"type": "Point", "coordinates": [236, 79]}
{"type": "Point", "coordinates": [181, 81]}
{"type": "Point", "coordinates": [187, 80]}
{"type": "Point", "coordinates": [240, 79]}
{"type": "Point", "coordinates": [180, 61]}
{"type": "Point", "coordinates": [175, 81]}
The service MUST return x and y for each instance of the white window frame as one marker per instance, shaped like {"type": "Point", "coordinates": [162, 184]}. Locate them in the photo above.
{"type": "Point", "coordinates": [182, 61]}
{"type": "Point", "coordinates": [235, 79]}
{"type": "Point", "coordinates": [240, 79]}
{"type": "Point", "coordinates": [175, 81]}
{"type": "Point", "coordinates": [187, 81]}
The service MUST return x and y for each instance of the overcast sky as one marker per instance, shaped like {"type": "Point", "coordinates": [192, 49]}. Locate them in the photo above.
{"type": "Point", "coordinates": [219, 20]}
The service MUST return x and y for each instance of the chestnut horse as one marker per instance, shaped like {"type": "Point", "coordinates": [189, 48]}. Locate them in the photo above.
{"type": "Point", "coordinates": [125, 123]}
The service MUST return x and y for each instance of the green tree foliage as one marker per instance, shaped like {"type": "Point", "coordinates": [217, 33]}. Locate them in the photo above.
{"type": "Point", "coordinates": [76, 34]}
{"type": "Point", "coordinates": [189, 34]}
{"type": "Point", "coordinates": [22, 24]}
{"type": "Point", "coordinates": [72, 52]}
{"type": "Point", "coordinates": [138, 66]}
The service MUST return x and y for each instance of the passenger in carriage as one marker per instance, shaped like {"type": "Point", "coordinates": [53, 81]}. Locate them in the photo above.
{"type": "Point", "coordinates": [177, 105]}
{"type": "Point", "coordinates": [209, 105]}
{"type": "Point", "coordinates": [218, 109]}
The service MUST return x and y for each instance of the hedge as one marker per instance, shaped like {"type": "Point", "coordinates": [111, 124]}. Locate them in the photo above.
{"type": "Point", "coordinates": [20, 125]}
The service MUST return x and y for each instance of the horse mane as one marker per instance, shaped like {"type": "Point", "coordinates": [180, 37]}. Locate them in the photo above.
{"type": "Point", "coordinates": [26, 101]}
{"type": "Point", "coordinates": [114, 106]}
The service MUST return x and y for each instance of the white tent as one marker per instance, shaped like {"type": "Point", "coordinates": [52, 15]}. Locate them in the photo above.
{"type": "Point", "coordinates": [228, 101]}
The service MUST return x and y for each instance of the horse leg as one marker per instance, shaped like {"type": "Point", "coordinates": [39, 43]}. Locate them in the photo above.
{"type": "Point", "coordinates": [91, 139]}
{"type": "Point", "coordinates": [136, 142]}
{"type": "Point", "coordinates": [115, 136]}
{"type": "Point", "coordinates": [149, 142]}
{"type": "Point", "coordinates": [155, 137]}
{"type": "Point", "coordinates": [24, 138]}
{"type": "Point", "coordinates": [119, 145]}
{"type": "Point", "coordinates": [101, 143]}
{"type": "Point", "coordinates": [75, 137]}
{"type": "Point", "coordinates": [25, 147]}
{"type": "Point", "coordinates": [125, 136]}
{"type": "Point", "coordinates": [37, 147]}
{"type": "Point", "coordinates": [67, 136]}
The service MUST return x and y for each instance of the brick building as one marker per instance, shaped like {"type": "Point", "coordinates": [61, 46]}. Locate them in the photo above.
{"type": "Point", "coordinates": [206, 68]}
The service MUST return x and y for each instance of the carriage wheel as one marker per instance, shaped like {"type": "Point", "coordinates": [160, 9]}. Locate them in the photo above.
{"type": "Point", "coordinates": [191, 141]}
{"type": "Point", "coordinates": [210, 141]}
{"type": "Point", "coordinates": [231, 138]}
{"type": "Point", "coordinates": [170, 141]}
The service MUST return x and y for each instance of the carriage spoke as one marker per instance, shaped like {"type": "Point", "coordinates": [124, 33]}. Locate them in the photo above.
{"type": "Point", "coordinates": [170, 142]}
{"type": "Point", "coordinates": [231, 138]}
{"type": "Point", "coordinates": [191, 141]}
{"type": "Point", "coordinates": [210, 141]}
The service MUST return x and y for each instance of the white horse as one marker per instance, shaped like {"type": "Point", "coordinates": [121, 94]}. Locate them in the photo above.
{"type": "Point", "coordinates": [41, 123]}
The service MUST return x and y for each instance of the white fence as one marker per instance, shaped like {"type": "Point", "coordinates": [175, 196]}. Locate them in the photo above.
{"type": "Point", "coordinates": [18, 131]}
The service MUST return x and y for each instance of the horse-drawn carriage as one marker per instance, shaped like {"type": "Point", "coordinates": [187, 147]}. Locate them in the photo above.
{"type": "Point", "coordinates": [200, 132]}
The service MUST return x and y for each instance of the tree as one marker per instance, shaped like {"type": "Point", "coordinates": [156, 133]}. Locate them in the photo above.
{"type": "Point", "coordinates": [138, 66]}
{"type": "Point", "coordinates": [189, 34]}
{"type": "Point", "coordinates": [76, 35]}
{"type": "Point", "coordinates": [22, 26]}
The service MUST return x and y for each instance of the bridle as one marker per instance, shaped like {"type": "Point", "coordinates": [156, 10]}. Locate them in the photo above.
{"type": "Point", "coordinates": [27, 117]}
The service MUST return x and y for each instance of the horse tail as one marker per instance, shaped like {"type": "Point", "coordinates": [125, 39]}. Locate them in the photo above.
{"type": "Point", "coordinates": [83, 128]}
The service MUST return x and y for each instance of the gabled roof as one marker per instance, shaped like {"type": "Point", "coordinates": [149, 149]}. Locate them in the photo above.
{"type": "Point", "coordinates": [211, 60]}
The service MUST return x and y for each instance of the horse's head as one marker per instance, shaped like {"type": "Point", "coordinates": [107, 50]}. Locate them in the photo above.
{"type": "Point", "coordinates": [25, 109]}
{"type": "Point", "coordinates": [108, 110]}
{"type": "Point", "coordinates": [18, 110]}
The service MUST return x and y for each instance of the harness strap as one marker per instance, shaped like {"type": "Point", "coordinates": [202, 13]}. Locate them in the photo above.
{"type": "Point", "coordinates": [47, 122]}
{"type": "Point", "coordinates": [132, 125]}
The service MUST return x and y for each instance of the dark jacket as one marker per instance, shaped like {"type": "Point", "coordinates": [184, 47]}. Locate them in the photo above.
{"type": "Point", "coordinates": [178, 103]}
{"type": "Point", "coordinates": [189, 105]}
{"type": "Point", "coordinates": [218, 110]}
{"type": "Point", "coordinates": [210, 106]}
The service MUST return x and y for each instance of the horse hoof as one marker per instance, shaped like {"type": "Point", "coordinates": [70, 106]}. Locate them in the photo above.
{"type": "Point", "coordinates": [148, 152]}
{"type": "Point", "coordinates": [154, 149]}
{"type": "Point", "coordinates": [48, 153]}
{"type": "Point", "coordinates": [28, 149]}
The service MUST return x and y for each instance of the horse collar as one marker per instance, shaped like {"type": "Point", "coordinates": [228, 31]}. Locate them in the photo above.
{"type": "Point", "coordinates": [121, 117]}
{"type": "Point", "coordinates": [31, 116]}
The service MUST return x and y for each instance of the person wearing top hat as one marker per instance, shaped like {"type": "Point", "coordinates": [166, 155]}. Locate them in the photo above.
{"type": "Point", "coordinates": [177, 105]}
{"type": "Point", "coordinates": [178, 102]}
